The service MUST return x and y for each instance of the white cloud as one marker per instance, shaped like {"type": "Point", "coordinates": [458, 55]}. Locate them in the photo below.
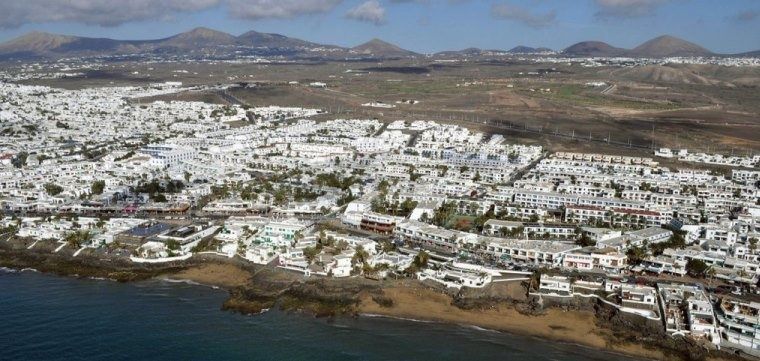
{"type": "Point", "coordinates": [14, 13]}
{"type": "Point", "coordinates": [94, 12]}
{"type": "Point", "coordinates": [260, 9]}
{"type": "Point", "coordinates": [370, 11]}
{"type": "Point", "coordinates": [516, 13]}
{"type": "Point", "coordinates": [627, 8]}
{"type": "Point", "coordinates": [746, 16]}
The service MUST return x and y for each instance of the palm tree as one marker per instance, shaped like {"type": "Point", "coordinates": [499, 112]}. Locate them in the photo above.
{"type": "Point", "coordinates": [711, 272]}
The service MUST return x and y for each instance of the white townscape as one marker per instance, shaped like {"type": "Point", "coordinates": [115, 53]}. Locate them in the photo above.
{"type": "Point", "coordinates": [108, 170]}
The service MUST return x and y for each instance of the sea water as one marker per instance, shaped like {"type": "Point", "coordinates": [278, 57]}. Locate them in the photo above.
{"type": "Point", "coordinates": [46, 317]}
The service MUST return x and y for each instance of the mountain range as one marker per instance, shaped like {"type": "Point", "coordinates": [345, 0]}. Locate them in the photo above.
{"type": "Point", "coordinates": [205, 42]}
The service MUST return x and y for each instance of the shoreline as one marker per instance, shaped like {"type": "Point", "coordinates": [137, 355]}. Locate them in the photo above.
{"type": "Point", "coordinates": [171, 278]}
{"type": "Point", "coordinates": [572, 327]}
{"type": "Point", "coordinates": [507, 333]}
{"type": "Point", "coordinates": [253, 290]}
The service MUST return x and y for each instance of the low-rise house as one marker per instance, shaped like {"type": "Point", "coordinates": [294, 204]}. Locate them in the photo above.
{"type": "Point", "coordinates": [607, 260]}
{"type": "Point", "coordinates": [662, 264]}
{"type": "Point", "coordinates": [496, 227]}
{"type": "Point", "coordinates": [340, 266]}
{"type": "Point", "coordinates": [392, 260]}
{"type": "Point", "coordinates": [456, 278]}
{"type": "Point", "coordinates": [142, 232]}
{"type": "Point", "coordinates": [638, 296]}
{"type": "Point", "coordinates": [283, 232]}
{"type": "Point", "coordinates": [367, 244]}
{"type": "Point", "coordinates": [687, 310]}
{"type": "Point", "coordinates": [261, 254]}
{"type": "Point", "coordinates": [432, 238]}
{"type": "Point", "coordinates": [549, 230]}
{"type": "Point", "coordinates": [378, 223]}
{"type": "Point", "coordinates": [600, 234]}
{"type": "Point", "coordinates": [537, 253]}
{"type": "Point", "coordinates": [555, 285]}
{"type": "Point", "coordinates": [739, 322]}
{"type": "Point", "coordinates": [187, 236]}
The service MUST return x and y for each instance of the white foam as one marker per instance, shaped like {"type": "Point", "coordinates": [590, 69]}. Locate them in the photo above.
{"type": "Point", "coordinates": [188, 282]}
{"type": "Point", "coordinates": [395, 318]}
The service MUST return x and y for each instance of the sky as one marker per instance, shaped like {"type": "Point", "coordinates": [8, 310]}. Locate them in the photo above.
{"type": "Point", "coordinates": [724, 26]}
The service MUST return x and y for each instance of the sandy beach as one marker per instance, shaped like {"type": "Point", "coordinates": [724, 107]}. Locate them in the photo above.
{"type": "Point", "coordinates": [223, 275]}
{"type": "Point", "coordinates": [566, 326]}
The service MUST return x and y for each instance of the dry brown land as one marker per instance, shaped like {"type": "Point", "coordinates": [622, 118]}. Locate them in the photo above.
{"type": "Point", "coordinates": [673, 105]}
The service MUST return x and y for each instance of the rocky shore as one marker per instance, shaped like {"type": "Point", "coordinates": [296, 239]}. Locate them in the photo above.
{"type": "Point", "coordinates": [502, 307]}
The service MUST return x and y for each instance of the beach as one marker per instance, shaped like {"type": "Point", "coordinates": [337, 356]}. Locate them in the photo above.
{"type": "Point", "coordinates": [215, 274]}
{"type": "Point", "coordinates": [566, 326]}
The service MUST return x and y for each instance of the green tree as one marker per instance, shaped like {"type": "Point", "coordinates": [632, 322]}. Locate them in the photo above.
{"type": "Point", "coordinates": [585, 241]}
{"type": "Point", "coordinates": [636, 254]}
{"type": "Point", "coordinates": [360, 257]}
{"type": "Point", "coordinates": [19, 161]}
{"type": "Point", "coordinates": [172, 245]}
{"type": "Point", "coordinates": [421, 259]}
{"type": "Point", "coordinates": [310, 253]}
{"type": "Point", "coordinates": [752, 244]}
{"type": "Point", "coordinates": [53, 189]}
{"type": "Point", "coordinates": [696, 268]}
{"type": "Point", "coordinates": [97, 187]}
{"type": "Point", "coordinates": [78, 238]}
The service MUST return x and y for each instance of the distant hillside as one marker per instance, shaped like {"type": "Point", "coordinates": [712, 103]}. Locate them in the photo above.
{"type": "Point", "coordinates": [196, 38]}
{"type": "Point", "coordinates": [749, 54]}
{"type": "Point", "coordinates": [36, 42]}
{"type": "Point", "coordinates": [45, 45]}
{"type": "Point", "coordinates": [382, 49]}
{"type": "Point", "coordinates": [593, 48]}
{"type": "Point", "coordinates": [266, 40]}
{"type": "Point", "coordinates": [667, 46]}
{"type": "Point", "coordinates": [202, 42]}
{"type": "Point", "coordinates": [659, 47]}
{"type": "Point", "coordinates": [521, 49]}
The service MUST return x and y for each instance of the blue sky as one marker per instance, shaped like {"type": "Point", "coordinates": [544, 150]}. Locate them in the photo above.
{"type": "Point", "coordinates": [420, 25]}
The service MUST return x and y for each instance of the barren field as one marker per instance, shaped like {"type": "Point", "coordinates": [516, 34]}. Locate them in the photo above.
{"type": "Point", "coordinates": [551, 104]}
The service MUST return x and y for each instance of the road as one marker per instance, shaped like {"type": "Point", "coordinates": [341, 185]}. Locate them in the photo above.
{"type": "Point", "coordinates": [231, 99]}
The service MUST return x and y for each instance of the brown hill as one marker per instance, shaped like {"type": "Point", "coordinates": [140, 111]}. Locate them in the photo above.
{"type": "Point", "coordinates": [382, 49]}
{"type": "Point", "coordinates": [667, 46]}
{"type": "Point", "coordinates": [36, 41]}
{"type": "Point", "coordinates": [198, 37]}
{"type": "Point", "coordinates": [593, 48]}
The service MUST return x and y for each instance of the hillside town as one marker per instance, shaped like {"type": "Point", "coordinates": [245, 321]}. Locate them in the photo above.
{"type": "Point", "coordinates": [104, 171]}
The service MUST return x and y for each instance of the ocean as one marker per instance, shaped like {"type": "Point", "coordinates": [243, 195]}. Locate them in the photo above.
{"type": "Point", "coordinates": [46, 317]}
